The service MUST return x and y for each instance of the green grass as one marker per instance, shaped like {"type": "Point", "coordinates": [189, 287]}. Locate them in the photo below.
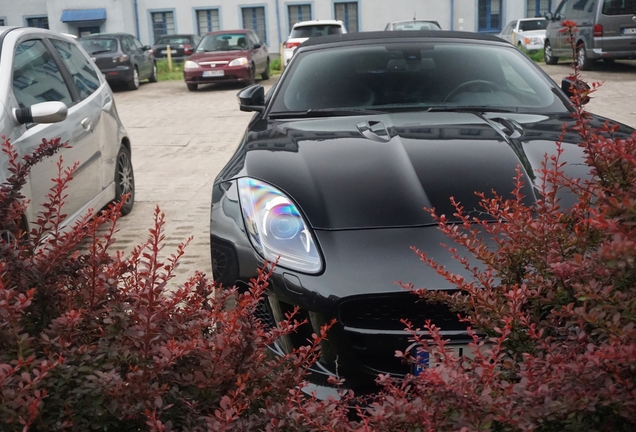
{"type": "Point", "coordinates": [164, 73]}
{"type": "Point", "coordinates": [536, 56]}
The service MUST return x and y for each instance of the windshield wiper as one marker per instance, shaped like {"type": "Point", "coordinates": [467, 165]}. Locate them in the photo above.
{"type": "Point", "coordinates": [99, 51]}
{"type": "Point", "coordinates": [470, 108]}
{"type": "Point", "coordinates": [328, 112]}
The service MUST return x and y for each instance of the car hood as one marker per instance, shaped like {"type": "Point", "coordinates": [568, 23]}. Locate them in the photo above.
{"type": "Point", "coordinates": [383, 170]}
{"type": "Point", "coordinates": [218, 55]}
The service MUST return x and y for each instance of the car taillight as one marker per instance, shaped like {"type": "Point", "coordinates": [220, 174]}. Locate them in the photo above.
{"type": "Point", "coordinates": [187, 49]}
{"type": "Point", "coordinates": [598, 30]}
{"type": "Point", "coordinates": [290, 45]}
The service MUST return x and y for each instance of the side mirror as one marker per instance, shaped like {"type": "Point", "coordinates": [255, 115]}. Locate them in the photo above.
{"type": "Point", "coordinates": [572, 87]}
{"type": "Point", "coordinates": [44, 112]}
{"type": "Point", "coordinates": [252, 98]}
{"type": "Point", "coordinates": [256, 46]}
{"type": "Point", "coordinates": [549, 16]}
{"type": "Point", "coordinates": [146, 48]}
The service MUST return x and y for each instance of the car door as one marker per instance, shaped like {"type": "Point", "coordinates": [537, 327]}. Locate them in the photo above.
{"type": "Point", "coordinates": [558, 38]}
{"type": "Point", "coordinates": [146, 55]}
{"type": "Point", "coordinates": [39, 75]}
{"type": "Point", "coordinates": [507, 32]}
{"type": "Point", "coordinates": [137, 56]}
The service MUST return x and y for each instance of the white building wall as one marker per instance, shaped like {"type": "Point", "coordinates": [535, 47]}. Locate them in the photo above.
{"type": "Point", "coordinates": [372, 14]}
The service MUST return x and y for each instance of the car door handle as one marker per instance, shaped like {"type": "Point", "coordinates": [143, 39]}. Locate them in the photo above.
{"type": "Point", "coordinates": [87, 124]}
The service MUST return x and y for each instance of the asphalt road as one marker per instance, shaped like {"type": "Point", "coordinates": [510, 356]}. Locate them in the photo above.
{"type": "Point", "coordinates": [181, 140]}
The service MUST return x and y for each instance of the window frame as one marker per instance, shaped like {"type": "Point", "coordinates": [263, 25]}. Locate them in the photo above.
{"type": "Point", "coordinates": [347, 21]}
{"type": "Point", "coordinates": [262, 35]}
{"type": "Point", "coordinates": [163, 12]}
{"type": "Point", "coordinates": [198, 20]}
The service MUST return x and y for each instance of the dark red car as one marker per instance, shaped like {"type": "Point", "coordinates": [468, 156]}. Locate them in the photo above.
{"type": "Point", "coordinates": [227, 56]}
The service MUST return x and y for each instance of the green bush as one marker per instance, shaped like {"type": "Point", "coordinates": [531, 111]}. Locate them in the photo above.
{"type": "Point", "coordinates": [165, 74]}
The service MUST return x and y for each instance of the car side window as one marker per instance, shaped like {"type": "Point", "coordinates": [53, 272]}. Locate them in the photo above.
{"type": "Point", "coordinates": [561, 10]}
{"type": "Point", "coordinates": [36, 76]}
{"type": "Point", "coordinates": [254, 39]}
{"type": "Point", "coordinates": [137, 44]}
{"type": "Point", "coordinates": [84, 74]}
{"type": "Point", "coordinates": [127, 45]}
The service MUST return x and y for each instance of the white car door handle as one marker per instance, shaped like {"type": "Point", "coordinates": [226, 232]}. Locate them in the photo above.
{"type": "Point", "coordinates": [87, 124]}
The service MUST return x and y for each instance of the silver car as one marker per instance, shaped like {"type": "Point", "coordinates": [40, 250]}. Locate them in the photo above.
{"type": "Point", "coordinates": [50, 88]}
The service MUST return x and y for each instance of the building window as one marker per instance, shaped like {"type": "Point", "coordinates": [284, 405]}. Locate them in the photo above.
{"type": "Point", "coordinates": [254, 18]}
{"type": "Point", "coordinates": [538, 8]}
{"type": "Point", "coordinates": [348, 14]}
{"type": "Point", "coordinates": [39, 22]}
{"type": "Point", "coordinates": [298, 13]}
{"type": "Point", "coordinates": [489, 15]}
{"type": "Point", "coordinates": [207, 21]}
{"type": "Point", "coordinates": [2, 22]}
{"type": "Point", "coordinates": [162, 23]}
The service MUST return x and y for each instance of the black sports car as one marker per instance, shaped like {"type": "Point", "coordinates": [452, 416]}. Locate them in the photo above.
{"type": "Point", "coordinates": [360, 134]}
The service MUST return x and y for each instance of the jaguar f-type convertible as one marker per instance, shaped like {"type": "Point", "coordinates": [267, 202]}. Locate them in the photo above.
{"type": "Point", "coordinates": [362, 132]}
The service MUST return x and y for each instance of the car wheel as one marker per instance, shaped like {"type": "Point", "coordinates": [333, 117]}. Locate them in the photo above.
{"type": "Point", "coordinates": [124, 180]}
{"type": "Point", "coordinates": [581, 58]}
{"type": "Point", "coordinates": [133, 84]}
{"type": "Point", "coordinates": [265, 74]}
{"type": "Point", "coordinates": [252, 79]}
{"type": "Point", "coordinates": [519, 46]}
{"type": "Point", "coordinates": [192, 87]}
{"type": "Point", "coordinates": [153, 76]}
{"type": "Point", "coordinates": [547, 54]}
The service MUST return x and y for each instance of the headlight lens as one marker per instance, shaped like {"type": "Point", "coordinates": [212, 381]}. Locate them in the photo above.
{"type": "Point", "coordinates": [276, 228]}
{"type": "Point", "coordinates": [189, 64]}
{"type": "Point", "coordinates": [241, 61]}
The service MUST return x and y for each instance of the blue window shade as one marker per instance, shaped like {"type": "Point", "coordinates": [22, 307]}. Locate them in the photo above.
{"type": "Point", "coordinates": [71, 15]}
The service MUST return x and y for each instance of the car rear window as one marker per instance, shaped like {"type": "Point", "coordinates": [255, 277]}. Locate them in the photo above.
{"type": "Point", "coordinates": [533, 25]}
{"type": "Point", "coordinates": [99, 46]}
{"type": "Point", "coordinates": [416, 25]}
{"type": "Point", "coordinates": [172, 40]}
{"type": "Point", "coordinates": [619, 7]}
{"type": "Point", "coordinates": [398, 75]}
{"type": "Point", "coordinates": [315, 30]}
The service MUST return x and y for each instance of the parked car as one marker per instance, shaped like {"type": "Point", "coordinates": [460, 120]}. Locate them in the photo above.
{"type": "Point", "coordinates": [414, 24]}
{"type": "Point", "coordinates": [301, 31]}
{"type": "Point", "coordinates": [122, 58]}
{"type": "Point", "coordinates": [526, 33]}
{"type": "Point", "coordinates": [360, 134]}
{"type": "Point", "coordinates": [606, 30]}
{"type": "Point", "coordinates": [227, 56]}
{"type": "Point", "coordinates": [181, 46]}
{"type": "Point", "coordinates": [49, 88]}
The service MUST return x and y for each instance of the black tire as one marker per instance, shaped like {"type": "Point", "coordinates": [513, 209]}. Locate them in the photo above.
{"type": "Point", "coordinates": [124, 180]}
{"type": "Point", "coordinates": [252, 79]}
{"type": "Point", "coordinates": [547, 54]}
{"type": "Point", "coordinates": [583, 61]}
{"type": "Point", "coordinates": [192, 87]}
{"type": "Point", "coordinates": [153, 75]}
{"type": "Point", "coordinates": [265, 74]}
{"type": "Point", "coordinates": [133, 84]}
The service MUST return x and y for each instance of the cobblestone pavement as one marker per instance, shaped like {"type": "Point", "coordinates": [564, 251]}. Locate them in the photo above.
{"type": "Point", "coordinates": [181, 140]}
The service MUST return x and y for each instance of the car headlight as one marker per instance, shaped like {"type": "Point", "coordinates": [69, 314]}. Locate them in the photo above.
{"type": "Point", "coordinates": [241, 61]}
{"type": "Point", "coordinates": [189, 64]}
{"type": "Point", "coordinates": [533, 41]}
{"type": "Point", "coordinates": [276, 228]}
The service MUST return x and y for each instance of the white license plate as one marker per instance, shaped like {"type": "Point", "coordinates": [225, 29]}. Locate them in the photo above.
{"type": "Point", "coordinates": [166, 51]}
{"type": "Point", "coordinates": [631, 30]}
{"type": "Point", "coordinates": [213, 73]}
{"type": "Point", "coordinates": [423, 360]}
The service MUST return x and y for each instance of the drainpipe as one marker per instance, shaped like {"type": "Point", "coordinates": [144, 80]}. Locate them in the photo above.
{"type": "Point", "coordinates": [452, 7]}
{"type": "Point", "coordinates": [280, 36]}
{"type": "Point", "coordinates": [136, 18]}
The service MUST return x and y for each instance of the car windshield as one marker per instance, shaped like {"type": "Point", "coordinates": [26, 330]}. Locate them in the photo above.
{"type": "Point", "coordinates": [97, 46]}
{"type": "Point", "coordinates": [223, 42]}
{"type": "Point", "coordinates": [395, 76]}
{"type": "Point", "coordinates": [529, 25]}
{"type": "Point", "coordinates": [614, 7]}
{"type": "Point", "coordinates": [172, 40]}
{"type": "Point", "coordinates": [315, 30]}
{"type": "Point", "coordinates": [416, 25]}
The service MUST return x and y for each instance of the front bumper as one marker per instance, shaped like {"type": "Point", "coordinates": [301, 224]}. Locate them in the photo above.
{"type": "Point", "coordinates": [208, 75]}
{"type": "Point", "coordinates": [359, 287]}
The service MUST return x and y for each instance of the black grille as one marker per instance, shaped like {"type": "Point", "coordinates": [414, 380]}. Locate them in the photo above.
{"type": "Point", "coordinates": [386, 313]}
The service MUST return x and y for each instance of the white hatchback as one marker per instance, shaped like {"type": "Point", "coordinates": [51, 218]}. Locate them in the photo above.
{"type": "Point", "coordinates": [301, 31]}
{"type": "Point", "coordinates": [50, 88]}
